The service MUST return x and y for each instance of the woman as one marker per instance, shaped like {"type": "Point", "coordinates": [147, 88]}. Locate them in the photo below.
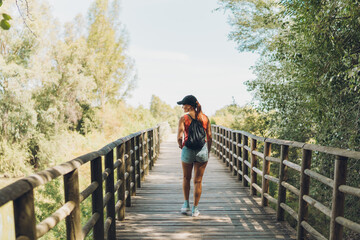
{"type": "Point", "coordinates": [193, 158]}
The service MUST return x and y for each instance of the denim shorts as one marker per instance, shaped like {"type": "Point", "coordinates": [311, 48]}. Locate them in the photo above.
{"type": "Point", "coordinates": [189, 155]}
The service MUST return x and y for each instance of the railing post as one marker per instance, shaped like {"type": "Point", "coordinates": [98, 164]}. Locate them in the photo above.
{"type": "Point", "coordinates": [220, 144]}
{"type": "Point", "coordinates": [230, 150]}
{"type": "Point", "coordinates": [121, 176]}
{"type": "Point", "coordinates": [24, 214]}
{"type": "Point", "coordinates": [284, 155]}
{"type": "Point", "coordinates": [304, 190]}
{"type": "Point", "coordinates": [138, 158]}
{"type": "Point", "coordinates": [266, 170]}
{"type": "Point", "coordinates": [245, 156]}
{"type": "Point", "coordinates": [142, 158]}
{"type": "Point", "coordinates": [97, 198]}
{"type": "Point", "coordinates": [234, 151]}
{"type": "Point", "coordinates": [223, 149]}
{"type": "Point", "coordinates": [158, 141]}
{"type": "Point", "coordinates": [128, 174]}
{"type": "Point", "coordinates": [227, 149]}
{"type": "Point", "coordinates": [154, 145]}
{"type": "Point", "coordinates": [338, 198]}
{"type": "Point", "coordinates": [217, 129]}
{"type": "Point", "coordinates": [217, 140]}
{"type": "Point", "coordinates": [71, 189]}
{"type": "Point", "coordinates": [109, 189]}
{"type": "Point", "coordinates": [238, 155]}
{"type": "Point", "coordinates": [151, 148]}
{"type": "Point", "coordinates": [133, 167]}
{"type": "Point", "coordinates": [146, 150]}
{"type": "Point", "coordinates": [253, 164]}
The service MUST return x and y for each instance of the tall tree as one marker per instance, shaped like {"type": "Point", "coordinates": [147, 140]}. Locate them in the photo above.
{"type": "Point", "coordinates": [110, 67]}
{"type": "Point", "coordinates": [309, 69]}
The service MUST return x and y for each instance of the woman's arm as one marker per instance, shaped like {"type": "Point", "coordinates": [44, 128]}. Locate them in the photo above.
{"type": "Point", "coordinates": [181, 130]}
{"type": "Point", "coordinates": [209, 136]}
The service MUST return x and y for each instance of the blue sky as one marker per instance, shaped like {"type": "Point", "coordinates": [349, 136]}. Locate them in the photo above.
{"type": "Point", "coordinates": [180, 47]}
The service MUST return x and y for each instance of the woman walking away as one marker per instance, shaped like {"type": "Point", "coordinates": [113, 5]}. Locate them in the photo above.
{"type": "Point", "coordinates": [196, 145]}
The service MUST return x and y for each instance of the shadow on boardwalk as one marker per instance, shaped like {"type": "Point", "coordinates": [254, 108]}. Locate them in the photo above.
{"type": "Point", "coordinates": [227, 210]}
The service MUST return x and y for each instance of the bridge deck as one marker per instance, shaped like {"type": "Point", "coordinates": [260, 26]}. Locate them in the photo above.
{"type": "Point", "coordinates": [227, 210]}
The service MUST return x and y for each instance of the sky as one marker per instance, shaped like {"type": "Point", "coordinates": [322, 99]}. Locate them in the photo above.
{"type": "Point", "coordinates": [179, 47]}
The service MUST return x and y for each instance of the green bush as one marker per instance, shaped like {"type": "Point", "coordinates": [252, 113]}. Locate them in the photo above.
{"type": "Point", "coordinates": [14, 159]}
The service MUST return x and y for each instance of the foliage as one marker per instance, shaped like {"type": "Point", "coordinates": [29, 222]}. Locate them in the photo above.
{"type": "Point", "coordinates": [243, 118]}
{"type": "Point", "coordinates": [63, 95]}
{"type": "Point", "coordinates": [4, 23]}
{"type": "Point", "coordinates": [254, 22]}
{"type": "Point", "coordinates": [49, 84]}
{"type": "Point", "coordinates": [48, 199]}
{"type": "Point", "coordinates": [308, 75]}
{"type": "Point", "coordinates": [162, 111]}
{"type": "Point", "coordinates": [14, 159]}
{"type": "Point", "coordinates": [110, 67]}
{"type": "Point", "coordinates": [121, 120]}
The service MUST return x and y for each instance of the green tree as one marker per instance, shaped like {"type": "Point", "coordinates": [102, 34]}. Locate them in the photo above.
{"type": "Point", "coordinates": [243, 118]}
{"type": "Point", "coordinates": [308, 74]}
{"type": "Point", "coordinates": [308, 71]}
{"type": "Point", "coordinates": [164, 112]}
{"type": "Point", "coordinates": [110, 67]}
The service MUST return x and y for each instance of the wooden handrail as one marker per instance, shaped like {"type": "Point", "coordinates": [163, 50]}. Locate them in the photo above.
{"type": "Point", "coordinates": [131, 156]}
{"type": "Point", "coordinates": [244, 144]}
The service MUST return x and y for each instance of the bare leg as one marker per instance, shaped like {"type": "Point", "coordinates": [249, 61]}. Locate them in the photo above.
{"type": "Point", "coordinates": [199, 169]}
{"type": "Point", "coordinates": [187, 170]}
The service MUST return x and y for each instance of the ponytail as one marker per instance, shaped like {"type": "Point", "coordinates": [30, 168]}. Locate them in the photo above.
{"type": "Point", "coordinates": [198, 110]}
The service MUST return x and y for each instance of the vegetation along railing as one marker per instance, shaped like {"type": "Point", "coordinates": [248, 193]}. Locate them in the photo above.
{"type": "Point", "coordinates": [238, 149]}
{"type": "Point", "coordinates": [129, 159]}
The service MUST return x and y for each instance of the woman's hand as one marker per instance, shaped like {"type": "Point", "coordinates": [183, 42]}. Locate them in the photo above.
{"type": "Point", "coordinates": [180, 143]}
{"type": "Point", "coordinates": [181, 130]}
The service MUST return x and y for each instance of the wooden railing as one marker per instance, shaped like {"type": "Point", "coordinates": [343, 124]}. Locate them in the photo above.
{"type": "Point", "coordinates": [238, 149]}
{"type": "Point", "coordinates": [131, 157]}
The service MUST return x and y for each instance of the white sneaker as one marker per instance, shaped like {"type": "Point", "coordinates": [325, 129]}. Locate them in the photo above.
{"type": "Point", "coordinates": [185, 209]}
{"type": "Point", "coordinates": [195, 211]}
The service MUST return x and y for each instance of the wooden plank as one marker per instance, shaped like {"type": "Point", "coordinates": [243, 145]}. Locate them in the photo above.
{"type": "Point", "coordinates": [71, 189]}
{"type": "Point", "coordinates": [138, 154]}
{"type": "Point", "coordinates": [127, 172]}
{"type": "Point", "coordinates": [97, 198]}
{"type": "Point", "coordinates": [334, 151]}
{"type": "Point", "coordinates": [227, 209]}
{"type": "Point", "coordinates": [338, 198]}
{"type": "Point", "coordinates": [349, 224]}
{"type": "Point", "coordinates": [24, 215]}
{"type": "Point", "coordinates": [109, 189]}
{"type": "Point", "coordinates": [312, 231]}
{"type": "Point", "coordinates": [318, 205]}
{"type": "Point", "coordinates": [121, 176]}
{"type": "Point", "coordinates": [319, 177]}
{"type": "Point", "coordinates": [50, 222]}
{"type": "Point", "coordinates": [304, 190]}
{"type": "Point", "coordinates": [266, 171]}
{"type": "Point", "coordinates": [292, 165]}
{"type": "Point", "coordinates": [350, 190]}
{"type": "Point", "coordinates": [133, 167]}
{"type": "Point", "coordinates": [291, 188]}
{"type": "Point", "coordinates": [237, 156]}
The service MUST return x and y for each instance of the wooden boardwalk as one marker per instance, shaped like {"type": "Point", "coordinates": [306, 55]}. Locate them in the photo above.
{"type": "Point", "coordinates": [227, 210]}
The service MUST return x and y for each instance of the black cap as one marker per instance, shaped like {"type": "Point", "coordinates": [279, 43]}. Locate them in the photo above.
{"type": "Point", "coordinates": [189, 99]}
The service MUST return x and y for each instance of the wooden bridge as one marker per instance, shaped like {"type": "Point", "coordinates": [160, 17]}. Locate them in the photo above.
{"type": "Point", "coordinates": [229, 208]}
